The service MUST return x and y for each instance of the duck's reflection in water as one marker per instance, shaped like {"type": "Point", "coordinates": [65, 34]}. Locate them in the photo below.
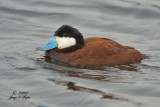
{"type": "Point", "coordinates": [72, 86]}
{"type": "Point", "coordinates": [100, 73]}
{"type": "Point", "coordinates": [104, 73]}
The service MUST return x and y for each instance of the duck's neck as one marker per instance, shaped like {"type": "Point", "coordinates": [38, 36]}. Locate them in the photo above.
{"type": "Point", "coordinates": [71, 48]}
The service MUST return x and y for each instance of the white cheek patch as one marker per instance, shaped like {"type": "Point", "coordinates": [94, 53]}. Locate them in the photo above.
{"type": "Point", "coordinates": [65, 42]}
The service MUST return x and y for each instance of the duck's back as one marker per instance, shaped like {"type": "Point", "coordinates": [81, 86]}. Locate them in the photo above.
{"type": "Point", "coordinates": [98, 51]}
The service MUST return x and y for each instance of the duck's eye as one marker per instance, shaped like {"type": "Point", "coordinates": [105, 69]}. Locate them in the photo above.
{"type": "Point", "coordinates": [48, 43]}
{"type": "Point", "coordinates": [64, 34]}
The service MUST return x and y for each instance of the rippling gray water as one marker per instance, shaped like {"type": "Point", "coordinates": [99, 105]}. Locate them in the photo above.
{"type": "Point", "coordinates": [29, 80]}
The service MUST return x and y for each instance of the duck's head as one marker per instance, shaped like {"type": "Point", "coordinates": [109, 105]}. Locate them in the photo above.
{"type": "Point", "coordinates": [65, 38]}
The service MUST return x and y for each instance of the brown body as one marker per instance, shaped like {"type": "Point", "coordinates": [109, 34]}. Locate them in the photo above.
{"type": "Point", "coordinates": [98, 51]}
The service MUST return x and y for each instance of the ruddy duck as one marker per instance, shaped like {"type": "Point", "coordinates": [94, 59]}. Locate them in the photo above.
{"type": "Point", "coordinates": [68, 46]}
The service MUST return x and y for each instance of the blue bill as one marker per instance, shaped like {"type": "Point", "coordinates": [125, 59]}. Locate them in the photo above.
{"type": "Point", "coordinates": [51, 44]}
